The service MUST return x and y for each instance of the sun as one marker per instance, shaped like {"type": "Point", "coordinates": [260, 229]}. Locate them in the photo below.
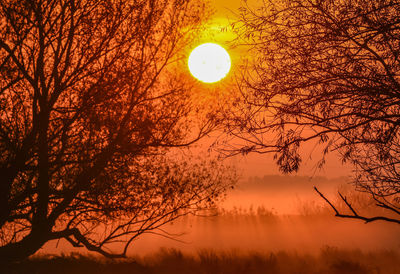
{"type": "Point", "coordinates": [209, 63]}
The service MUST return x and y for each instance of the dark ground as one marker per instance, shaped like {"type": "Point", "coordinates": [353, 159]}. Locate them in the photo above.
{"type": "Point", "coordinates": [329, 260]}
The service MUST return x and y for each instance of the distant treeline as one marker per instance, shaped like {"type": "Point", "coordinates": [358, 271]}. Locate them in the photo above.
{"type": "Point", "coordinates": [281, 182]}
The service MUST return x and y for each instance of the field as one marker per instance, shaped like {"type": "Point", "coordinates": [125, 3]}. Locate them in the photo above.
{"type": "Point", "coordinates": [328, 260]}
{"type": "Point", "coordinates": [269, 225]}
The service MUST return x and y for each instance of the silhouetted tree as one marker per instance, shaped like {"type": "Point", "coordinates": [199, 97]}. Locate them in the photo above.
{"type": "Point", "coordinates": [90, 107]}
{"type": "Point", "coordinates": [328, 72]}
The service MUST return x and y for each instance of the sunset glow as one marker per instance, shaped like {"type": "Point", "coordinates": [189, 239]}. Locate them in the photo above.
{"type": "Point", "coordinates": [209, 63]}
{"type": "Point", "coordinates": [175, 137]}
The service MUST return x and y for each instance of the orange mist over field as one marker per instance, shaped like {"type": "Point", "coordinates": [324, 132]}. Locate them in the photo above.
{"type": "Point", "coordinates": [272, 213]}
{"type": "Point", "coordinates": [276, 213]}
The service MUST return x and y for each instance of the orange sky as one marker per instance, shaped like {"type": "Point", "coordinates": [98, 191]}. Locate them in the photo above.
{"type": "Point", "coordinates": [261, 164]}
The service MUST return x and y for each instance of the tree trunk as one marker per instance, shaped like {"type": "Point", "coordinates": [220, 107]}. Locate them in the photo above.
{"type": "Point", "coordinates": [23, 249]}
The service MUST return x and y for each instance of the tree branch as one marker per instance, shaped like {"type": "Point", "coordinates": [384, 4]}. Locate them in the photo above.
{"type": "Point", "coordinates": [355, 215]}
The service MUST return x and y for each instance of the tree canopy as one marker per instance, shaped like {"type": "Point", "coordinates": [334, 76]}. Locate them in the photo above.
{"type": "Point", "coordinates": [327, 72]}
{"type": "Point", "coordinates": [90, 108]}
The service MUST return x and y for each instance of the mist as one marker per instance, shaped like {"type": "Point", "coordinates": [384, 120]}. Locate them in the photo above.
{"type": "Point", "coordinates": [269, 214]}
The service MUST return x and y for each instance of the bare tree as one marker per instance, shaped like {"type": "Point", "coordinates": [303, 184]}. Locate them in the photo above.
{"type": "Point", "coordinates": [327, 72]}
{"type": "Point", "coordinates": [90, 106]}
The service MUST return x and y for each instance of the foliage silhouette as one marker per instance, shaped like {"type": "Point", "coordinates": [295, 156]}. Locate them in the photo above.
{"type": "Point", "coordinates": [325, 72]}
{"type": "Point", "coordinates": [90, 108]}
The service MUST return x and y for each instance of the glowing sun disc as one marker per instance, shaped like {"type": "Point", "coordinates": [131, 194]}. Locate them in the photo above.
{"type": "Point", "coordinates": [209, 63]}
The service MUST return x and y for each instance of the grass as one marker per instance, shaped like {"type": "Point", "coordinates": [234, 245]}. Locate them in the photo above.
{"type": "Point", "coordinates": [329, 260]}
{"type": "Point", "coordinates": [254, 227]}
